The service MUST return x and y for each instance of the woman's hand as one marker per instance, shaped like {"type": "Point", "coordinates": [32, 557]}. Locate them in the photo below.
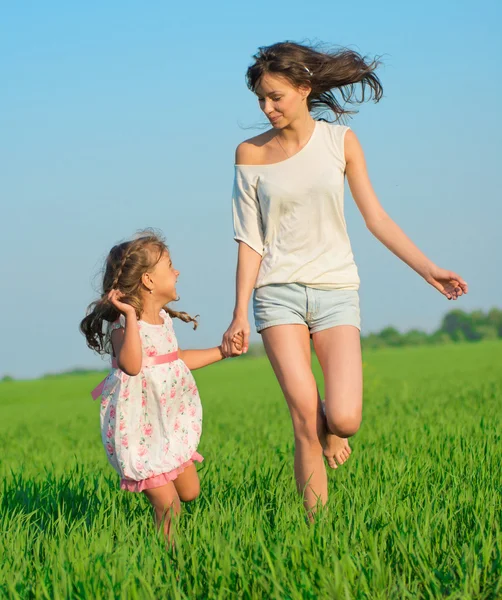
{"type": "Point", "coordinates": [448, 283]}
{"type": "Point", "coordinates": [126, 309]}
{"type": "Point", "coordinates": [237, 334]}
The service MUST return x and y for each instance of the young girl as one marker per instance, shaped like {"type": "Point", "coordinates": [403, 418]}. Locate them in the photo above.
{"type": "Point", "coordinates": [295, 251]}
{"type": "Point", "coordinates": [151, 415]}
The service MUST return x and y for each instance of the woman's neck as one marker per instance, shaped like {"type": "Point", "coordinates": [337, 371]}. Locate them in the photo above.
{"type": "Point", "coordinates": [298, 132]}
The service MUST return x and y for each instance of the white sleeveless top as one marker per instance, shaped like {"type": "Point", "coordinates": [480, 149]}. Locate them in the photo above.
{"type": "Point", "coordinates": [291, 213]}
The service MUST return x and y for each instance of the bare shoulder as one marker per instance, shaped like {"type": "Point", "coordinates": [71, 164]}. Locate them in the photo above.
{"type": "Point", "coordinates": [254, 150]}
{"type": "Point", "coordinates": [352, 147]}
{"type": "Point", "coordinates": [350, 138]}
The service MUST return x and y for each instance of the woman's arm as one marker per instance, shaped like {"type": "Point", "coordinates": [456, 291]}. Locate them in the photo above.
{"type": "Point", "coordinates": [248, 265]}
{"type": "Point", "coordinates": [387, 231]}
{"type": "Point", "coordinates": [248, 230]}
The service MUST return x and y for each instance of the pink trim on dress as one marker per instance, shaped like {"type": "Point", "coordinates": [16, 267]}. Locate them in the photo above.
{"type": "Point", "coordinates": [158, 480]}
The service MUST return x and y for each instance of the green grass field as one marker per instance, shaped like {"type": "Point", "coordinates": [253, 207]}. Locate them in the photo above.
{"type": "Point", "coordinates": [415, 513]}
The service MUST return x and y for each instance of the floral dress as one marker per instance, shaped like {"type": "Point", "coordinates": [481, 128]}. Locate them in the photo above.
{"type": "Point", "coordinates": [151, 422]}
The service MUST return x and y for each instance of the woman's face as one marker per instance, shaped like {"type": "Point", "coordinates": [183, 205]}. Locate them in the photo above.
{"type": "Point", "coordinates": [281, 102]}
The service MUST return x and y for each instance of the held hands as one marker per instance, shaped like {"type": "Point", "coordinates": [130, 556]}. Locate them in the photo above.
{"type": "Point", "coordinates": [235, 346]}
{"type": "Point", "coordinates": [237, 343]}
{"type": "Point", "coordinates": [448, 283]}
{"type": "Point", "coordinates": [236, 339]}
{"type": "Point", "coordinates": [126, 309]}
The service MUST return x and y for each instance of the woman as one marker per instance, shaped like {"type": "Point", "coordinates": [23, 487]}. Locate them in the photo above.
{"type": "Point", "coordinates": [295, 252]}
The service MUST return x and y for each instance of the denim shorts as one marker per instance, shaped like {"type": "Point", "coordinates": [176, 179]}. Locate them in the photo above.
{"type": "Point", "coordinates": [297, 304]}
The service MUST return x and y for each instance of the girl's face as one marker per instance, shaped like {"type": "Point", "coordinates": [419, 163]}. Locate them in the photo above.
{"type": "Point", "coordinates": [162, 279]}
{"type": "Point", "coordinates": [281, 102]}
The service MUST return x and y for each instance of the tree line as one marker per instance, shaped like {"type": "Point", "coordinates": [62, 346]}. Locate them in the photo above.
{"type": "Point", "coordinates": [456, 326]}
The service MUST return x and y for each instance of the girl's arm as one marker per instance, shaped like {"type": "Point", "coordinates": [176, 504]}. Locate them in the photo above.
{"type": "Point", "coordinates": [248, 265]}
{"type": "Point", "coordinates": [196, 359]}
{"type": "Point", "coordinates": [126, 341]}
{"type": "Point", "coordinates": [387, 231]}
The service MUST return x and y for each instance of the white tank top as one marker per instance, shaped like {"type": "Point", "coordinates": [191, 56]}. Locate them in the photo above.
{"type": "Point", "coordinates": [291, 213]}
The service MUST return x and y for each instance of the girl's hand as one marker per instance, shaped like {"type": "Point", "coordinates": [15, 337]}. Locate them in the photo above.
{"type": "Point", "coordinates": [237, 342]}
{"type": "Point", "coordinates": [236, 346]}
{"type": "Point", "coordinates": [238, 327]}
{"type": "Point", "coordinates": [448, 283]}
{"type": "Point", "coordinates": [126, 309]}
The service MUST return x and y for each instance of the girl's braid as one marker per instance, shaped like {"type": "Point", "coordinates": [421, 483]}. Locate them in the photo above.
{"type": "Point", "coordinates": [118, 274]}
{"type": "Point", "coordinates": [174, 314]}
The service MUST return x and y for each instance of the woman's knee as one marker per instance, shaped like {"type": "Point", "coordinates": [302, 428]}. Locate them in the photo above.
{"type": "Point", "coordinates": [344, 425]}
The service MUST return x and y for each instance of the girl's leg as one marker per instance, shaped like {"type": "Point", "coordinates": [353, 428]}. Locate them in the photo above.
{"type": "Point", "coordinates": [339, 352]}
{"type": "Point", "coordinates": [187, 484]}
{"type": "Point", "coordinates": [288, 349]}
{"type": "Point", "coordinates": [166, 504]}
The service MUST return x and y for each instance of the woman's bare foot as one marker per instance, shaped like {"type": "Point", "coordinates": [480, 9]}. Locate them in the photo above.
{"type": "Point", "coordinates": [336, 450]}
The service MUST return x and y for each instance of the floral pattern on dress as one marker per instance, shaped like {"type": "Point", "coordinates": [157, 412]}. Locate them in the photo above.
{"type": "Point", "coordinates": [151, 423]}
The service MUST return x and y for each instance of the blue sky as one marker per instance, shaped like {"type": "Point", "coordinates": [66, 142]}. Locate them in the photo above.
{"type": "Point", "coordinates": [122, 115]}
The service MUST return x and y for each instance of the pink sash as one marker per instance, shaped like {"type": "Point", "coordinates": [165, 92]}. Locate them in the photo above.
{"type": "Point", "coordinates": [148, 361]}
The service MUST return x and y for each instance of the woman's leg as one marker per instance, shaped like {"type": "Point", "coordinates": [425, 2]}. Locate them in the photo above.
{"type": "Point", "coordinates": [336, 449]}
{"type": "Point", "coordinates": [288, 349]}
{"type": "Point", "coordinates": [339, 352]}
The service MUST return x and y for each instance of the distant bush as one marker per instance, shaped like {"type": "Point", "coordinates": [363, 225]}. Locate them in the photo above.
{"type": "Point", "coordinates": [75, 371]}
{"type": "Point", "coordinates": [456, 326]}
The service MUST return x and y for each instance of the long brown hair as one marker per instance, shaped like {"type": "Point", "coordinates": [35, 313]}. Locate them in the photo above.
{"type": "Point", "coordinates": [327, 72]}
{"type": "Point", "coordinates": [125, 266]}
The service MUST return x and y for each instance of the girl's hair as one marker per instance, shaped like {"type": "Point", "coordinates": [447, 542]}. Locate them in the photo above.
{"type": "Point", "coordinates": [325, 72]}
{"type": "Point", "coordinates": [125, 266]}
